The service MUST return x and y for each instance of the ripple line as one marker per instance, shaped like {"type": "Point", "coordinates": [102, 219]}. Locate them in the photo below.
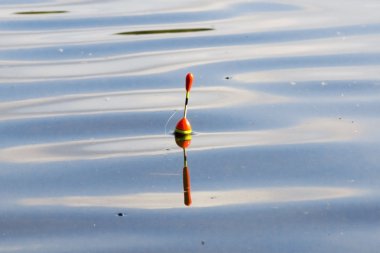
{"type": "Point", "coordinates": [72, 51]}
{"type": "Point", "coordinates": [202, 199]}
{"type": "Point", "coordinates": [314, 131]}
{"type": "Point", "coordinates": [130, 101]}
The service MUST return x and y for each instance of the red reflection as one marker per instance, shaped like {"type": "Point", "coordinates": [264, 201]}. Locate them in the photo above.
{"type": "Point", "coordinates": [184, 141]}
{"type": "Point", "coordinates": [186, 186]}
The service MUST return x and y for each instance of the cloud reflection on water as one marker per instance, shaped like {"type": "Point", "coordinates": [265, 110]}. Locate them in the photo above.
{"type": "Point", "coordinates": [312, 74]}
{"type": "Point", "coordinates": [166, 200]}
{"type": "Point", "coordinates": [74, 62]}
{"type": "Point", "coordinates": [131, 101]}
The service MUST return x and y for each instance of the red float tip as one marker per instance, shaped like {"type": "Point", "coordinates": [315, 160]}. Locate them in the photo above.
{"type": "Point", "coordinates": [189, 81]}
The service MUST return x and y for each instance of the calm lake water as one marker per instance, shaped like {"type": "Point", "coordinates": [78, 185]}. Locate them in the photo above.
{"type": "Point", "coordinates": [285, 108]}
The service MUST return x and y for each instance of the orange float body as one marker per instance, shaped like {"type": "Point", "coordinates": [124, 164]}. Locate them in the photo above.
{"type": "Point", "coordinates": [183, 127]}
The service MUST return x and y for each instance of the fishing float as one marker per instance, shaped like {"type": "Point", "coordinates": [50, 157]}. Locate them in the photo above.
{"type": "Point", "coordinates": [183, 126]}
{"type": "Point", "coordinates": [183, 139]}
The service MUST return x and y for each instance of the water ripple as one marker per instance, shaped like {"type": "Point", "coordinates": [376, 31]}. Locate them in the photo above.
{"type": "Point", "coordinates": [81, 51]}
{"type": "Point", "coordinates": [133, 101]}
{"type": "Point", "coordinates": [315, 131]}
{"type": "Point", "coordinates": [203, 199]}
{"type": "Point", "coordinates": [228, 11]}
{"type": "Point", "coordinates": [117, 68]}
{"type": "Point", "coordinates": [284, 105]}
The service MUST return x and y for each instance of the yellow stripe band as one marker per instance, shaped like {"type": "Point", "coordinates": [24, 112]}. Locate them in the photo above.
{"type": "Point", "coordinates": [185, 137]}
{"type": "Point", "coordinates": [187, 94]}
{"type": "Point", "coordinates": [183, 131]}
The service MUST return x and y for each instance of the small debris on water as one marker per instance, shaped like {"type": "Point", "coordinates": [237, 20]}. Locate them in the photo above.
{"type": "Point", "coordinates": [293, 83]}
{"type": "Point", "coordinates": [203, 242]}
{"type": "Point", "coordinates": [121, 214]}
{"type": "Point", "coordinates": [147, 32]}
{"type": "Point", "coordinates": [323, 83]}
{"type": "Point", "coordinates": [60, 50]}
{"type": "Point", "coordinates": [228, 77]}
{"type": "Point", "coordinates": [39, 12]}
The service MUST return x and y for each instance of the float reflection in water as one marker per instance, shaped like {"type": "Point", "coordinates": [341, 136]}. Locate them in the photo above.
{"type": "Point", "coordinates": [183, 141]}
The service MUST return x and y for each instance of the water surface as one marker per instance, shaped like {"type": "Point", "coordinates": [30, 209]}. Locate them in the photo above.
{"type": "Point", "coordinates": [284, 107]}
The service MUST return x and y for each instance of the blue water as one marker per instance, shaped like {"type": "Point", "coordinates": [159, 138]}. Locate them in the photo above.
{"type": "Point", "coordinates": [284, 108]}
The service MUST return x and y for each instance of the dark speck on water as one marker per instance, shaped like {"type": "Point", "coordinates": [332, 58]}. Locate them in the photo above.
{"type": "Point", "coordinates": [145, 32]}
{"type": "Point", "coordinates": [39, 12]}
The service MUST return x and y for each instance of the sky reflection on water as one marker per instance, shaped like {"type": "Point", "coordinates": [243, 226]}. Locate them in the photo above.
{"type": "Point", "coordinates": [167, 200]}
{"type": "Point", "coordinates": [284, 105]}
